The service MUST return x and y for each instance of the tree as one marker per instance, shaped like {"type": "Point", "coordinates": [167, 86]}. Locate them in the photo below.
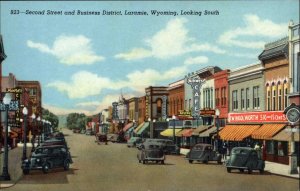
{"type": "Point", "coordinates": [52, 118]}
{"type": "Point", "coordinates": [76, 121]}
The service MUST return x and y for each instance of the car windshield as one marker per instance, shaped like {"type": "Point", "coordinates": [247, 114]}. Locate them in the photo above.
{"type": "Point", "coordinates": [198, 148]}
{"type": "Point", "coordinates": [153, 147]}
{"type": "Point", "coordinates": [240, 151]}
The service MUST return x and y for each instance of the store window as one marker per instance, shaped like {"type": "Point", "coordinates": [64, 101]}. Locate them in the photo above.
{"type": "Point", "coordinates": [270, 147]}
{"type": "Point", "coordinates": [282, 148]}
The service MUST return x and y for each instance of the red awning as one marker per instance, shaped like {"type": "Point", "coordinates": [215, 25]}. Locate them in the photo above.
{"type": "Point", "coordinates": [127, 126]}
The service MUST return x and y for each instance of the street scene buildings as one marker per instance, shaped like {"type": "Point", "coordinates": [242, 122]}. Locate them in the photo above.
{"type": "Point", "coordinates": [249, 111]}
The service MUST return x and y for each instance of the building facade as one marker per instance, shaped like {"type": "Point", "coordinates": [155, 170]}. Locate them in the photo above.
{"type": "Point", "coordinates": [156, 102]}
{"type": "Point", "coordinates": [133, 109]}
{"type": "Point", "coordinates": [142, 109]}
{"type": "Point", "coordinates": [176, 98]}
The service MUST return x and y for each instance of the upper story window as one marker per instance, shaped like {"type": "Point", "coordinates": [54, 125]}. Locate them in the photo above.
{"type": "Point", "coordinates": [285, 93]}
{"type": "Point", "coordinates": [242, 99]}
{"type": "Point", "coordinates": [234, 100]}
{"type": "Point", "coordinates": [223, 96]}
{"type": "Point", "coordinates": [279, 96]}
{"type": "Point", "coordinates": [247, 98]}
{"type": "Point", "coordinates": [274, 97]}
{"type": "Point", "coordinates": [256, 97]}
{"type": "Point", "coordinates": [268, 98]}
{"type": "Point", "coordinates": [33, 92]}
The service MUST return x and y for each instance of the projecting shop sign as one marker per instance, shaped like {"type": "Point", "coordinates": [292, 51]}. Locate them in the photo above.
{"type": "Point", "coordinates": [196, 84]}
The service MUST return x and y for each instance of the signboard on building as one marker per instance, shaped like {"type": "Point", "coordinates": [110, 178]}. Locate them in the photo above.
{"type": "Point", "coordinates": [207, 112]}
{"type": "Point", "coordinates": [257, 117]}
{"type": "Point", "coordinates": [196, 83]}
{"type": "Point", "coordinates": [164, 107]}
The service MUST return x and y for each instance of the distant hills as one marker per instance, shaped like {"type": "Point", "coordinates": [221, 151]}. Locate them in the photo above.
{"type": "Point", "coordinates": [62, 121]}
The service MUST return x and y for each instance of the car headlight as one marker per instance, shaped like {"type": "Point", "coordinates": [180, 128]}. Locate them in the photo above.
{"type": "Point", "coordinates": [37, 160]}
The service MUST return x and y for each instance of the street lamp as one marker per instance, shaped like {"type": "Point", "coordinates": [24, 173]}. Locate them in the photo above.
{"type": "Point", "coordinates": [174, 118]}
{"type": "Point", "coordinates": [38, 127]}
{"type": "Point", "coordinates": [218, 126]}
{"type": "Point", "coordinates": [33, 132]}
{"type": "Point", "coordinates": [25, 112]}
{"type": "Point", "coordinates": [5, 175]}
{"type": "Point", "coordinates": [43, 130]}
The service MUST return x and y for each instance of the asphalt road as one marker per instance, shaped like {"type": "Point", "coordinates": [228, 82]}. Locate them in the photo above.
{"type": "Point", "coordinates": [114, 167]}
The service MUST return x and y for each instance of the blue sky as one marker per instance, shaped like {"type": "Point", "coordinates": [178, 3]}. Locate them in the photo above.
{"type": "Point", "coordinates": [84, 62]}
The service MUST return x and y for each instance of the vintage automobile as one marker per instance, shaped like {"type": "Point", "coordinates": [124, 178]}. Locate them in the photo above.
{"type": "Point", "coordinates": [134, 141]}
{"type": "Point", "coordinates": [151, 153]}
{"type": "Point", "coordinates": [203, 153]}
{"type": "Point", "coordinates": [101, 138]}
{"type": "Point", "coordinates": [89, 132]}
{"type": "Point", "coordinates": [112, 137]}
{"type": "Point", "coordinates": [47, 157]}
{"type": "Point", "coordinates": [167, 145]}
{"type": "Point", "coordinates": [245, 158]}
{"type": "Point", "coordinates": [76, 130]}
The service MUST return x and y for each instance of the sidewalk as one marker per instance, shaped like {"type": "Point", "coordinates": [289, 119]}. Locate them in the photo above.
{"type": "Point", "coordinates": [14, 165]}
{"type": "Point", "coordinates": [271, 167]}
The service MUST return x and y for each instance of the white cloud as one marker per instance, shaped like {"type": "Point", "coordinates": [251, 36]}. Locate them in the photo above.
{"type": "Point", "coordinates": [83, 84]}
{"type": "Point", "coordinates": [255, 26]}
{"type": "Point", "coordinates": [63, 111]}
{"type": "Point", "coordinates": [196, 60]}
{"type": "Point", "coordinates": [173, 40]}
{"type": "Point", "coordinates": [88, 104]}
{"type": "Point", "coordinates": [70, 50]}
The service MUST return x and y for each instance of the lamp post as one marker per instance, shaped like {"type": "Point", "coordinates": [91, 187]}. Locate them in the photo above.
{"type": "Point", "coordinates": [33, 132]}
{"type": "Point", "coordinates": [5, 175]}
{"type": "Point", "coordinates": [25, 112]}
{"type": "Point", "coordinates": [38, 127]}
{"type": "Point", "coordinates": [218, 126]}
{"type": "Point", "coordinates": [43, 130]}
{"type": "Point", "coordinates": [174, 118]}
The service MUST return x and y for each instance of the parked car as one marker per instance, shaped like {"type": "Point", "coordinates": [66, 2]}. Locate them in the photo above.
{"type": "Point", "coordinates": [167, 145]}
{"type": "Point", "coordinates": [151, 153]}
{"type": "Point", "coordinates": [101, 137]}
{"type": "Point", "coordinates": [134, 141]}
{"type": "Point", "coordinates": [54, 141]}
{"type": "Point", "coordinates": [112, 137]}
{"type": "Point", "coordinates": [48, 157]}
{"type": "Point", "coordinates": [245, 158]}
{"type": "Point", "coordinates": [89, 132]}
{"type": "Point", "coordinates": [76, 130]}
{"type": "Point", "coordinates": [203, 153]}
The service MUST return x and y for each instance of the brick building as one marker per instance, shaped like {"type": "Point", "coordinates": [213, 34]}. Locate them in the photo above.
{"type": "Point", "coordinates": [176, 97]}
{"type": "Point", "coordinates": [142, 109]}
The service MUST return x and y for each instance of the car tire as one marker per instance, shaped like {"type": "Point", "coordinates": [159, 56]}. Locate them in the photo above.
{"type": "Point", "coordinates": [190, 161]}
{"type": "Point", "coordinates": [219, 162]}
{"type": "Point", "coordinates": [162, 162]}
{"type": "Point", "coordinates": [144, 162]}
{"type": "Point", "coordinates": [261, 171]}
{"type": "Point", "coordinates": [241, 170]}
{"type": "Point", "coordinates": [228, 170]}
{"type": "Point", "coordinates": [249, 171]}
{"type": "Point", "coordinates": [26, 171]}
{"type": "Point", "coordinates": [205, 161]}
{"type": "Point", "coordinates": [45, 168]}
{"type": "Point", "coordinates": [66, 165]}
{"type": "Point", "coordinates": [139, 161]}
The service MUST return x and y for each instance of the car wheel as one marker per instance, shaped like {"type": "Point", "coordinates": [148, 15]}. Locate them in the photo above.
{"type": "Point", "coordinates": [261, 171]}
{"type": "Point", "coordinates": [228, 170]}
{"type": "Point", "coordinates": [219, 162]}
{"type": "Point", "coordinates": [26, 171]}
{"type": "Point", "coordinates": [241, 170]}
{"type": "Point", "coordinates": [45, 168]}
{"type": "Point", "coordinates": [205, 161]}
{"type": "Point", "coordinates": [249, 171]}
{"type": "Point", "coordinates": [139, 161]}
{"type": "Point", "coordinates": [66, 165]}
{"type": "Point", "coordinates": [157, 162]}
{"type": "Point", "coordinates": [162, 162]}
{"type": "Point", "coordinates": [190, 161]}
{"type": "Point", "coordinates": [144, 162]}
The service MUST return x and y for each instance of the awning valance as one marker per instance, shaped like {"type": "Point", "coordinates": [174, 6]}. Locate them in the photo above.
{"type": "Point", "coordinates": [267, 131]}
{"type": "Point", "coordinates": [286, 136]}
{"type": "Point", "coordinates": [169, 132]}
{"type": "Point", "coordinates": [127, 126]}
{"type": "Point", "coordinates": [237, 132]}
{"type": "Point", "coordinates": [201, 129]}
{"type": "Point", "coordinates": [208, 132]}
{"type": "Point", "coordinates": [143, 128]}
{"type": "Point", "coordinates": [185, 133]}
{"type": "Point", "coordinates": [139, 127]}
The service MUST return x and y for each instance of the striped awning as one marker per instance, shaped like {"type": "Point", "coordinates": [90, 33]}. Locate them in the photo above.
{"type": "Point", "coordinates": [267, 131]}
{"type": "Point", "coordinates": [143, 128]}
{"type": "Point", "coordinates": [200, 129]}
{"type": "Point", "coordinates": [208, 132]}
{"type": "Point", "coordinates": [127, 126]}
{"type": "Point", "coordinates": [169, 132]}
{"type": "Point", "coordinates": [237, 132]}
{"type": "Point", "coordinates": [139, 127]}
{"type": "Point", "coordinates": [185, 133]}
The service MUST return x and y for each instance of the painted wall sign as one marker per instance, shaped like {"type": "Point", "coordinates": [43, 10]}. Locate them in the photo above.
{"type": "Point", "coordinates": [257, 117]}
{"type": "Point", "coordinates": [196, 83]}
{"type": "Point", "coordinates": [164, 107]}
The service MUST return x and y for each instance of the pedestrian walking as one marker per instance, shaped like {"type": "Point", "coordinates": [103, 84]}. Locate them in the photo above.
{"type": "Point", "coordinates": [224, 151]}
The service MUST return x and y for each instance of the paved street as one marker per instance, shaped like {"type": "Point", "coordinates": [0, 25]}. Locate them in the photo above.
{"type": "Point", "coordinates": [114, 167]}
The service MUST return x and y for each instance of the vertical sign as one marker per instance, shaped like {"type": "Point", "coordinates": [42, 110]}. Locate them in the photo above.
{"type": "Point", "coordinates": [196, 83]}
{"type": "Point", "coordinates": [164, 107]}
{"type": "Point", "coordinates": [147, 106]}
{"type": "Point", "coordinates": [115, 111]}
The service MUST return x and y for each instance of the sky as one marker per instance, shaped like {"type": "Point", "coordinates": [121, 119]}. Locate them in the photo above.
{"type": "Point", "coordinates": [85, 62]}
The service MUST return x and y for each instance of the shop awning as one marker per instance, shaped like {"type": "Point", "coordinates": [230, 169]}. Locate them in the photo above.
{"type": "Point", "coordinates": [185, 133]}
{"type": "Point", "coordinates": [201, 129]}
{"type": "Point", "coordinates": [267, 131]}
{"type": "Point", "coordinates": [237, 132]}
{"type": "Point", "coordinates": [208, 132]}
{"type": "Point", "coordinates": [139, 127]}
{"type": "Point", "coordinates": [169, 132]}
{"type": "Point", "coordinates": [127, 126]}
{"type": "Point", "coordinates": [286, 136]}
{"type": "Point", "coordinates": [143, 128]}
